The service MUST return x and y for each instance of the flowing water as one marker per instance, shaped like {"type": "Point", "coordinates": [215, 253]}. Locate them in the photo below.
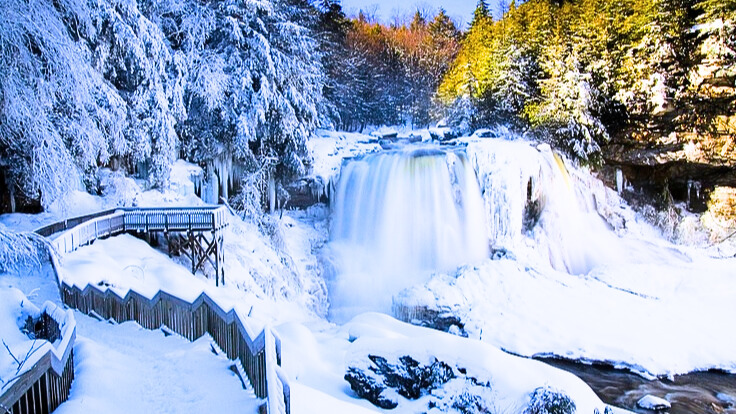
{"type": "Point", "coordinates": [695, 393]}
{"type": "Point", "coordinates": [397, 218]}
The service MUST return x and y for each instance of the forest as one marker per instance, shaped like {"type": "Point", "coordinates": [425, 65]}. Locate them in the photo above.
{"type": "Point", "coordinates": [137, 84]}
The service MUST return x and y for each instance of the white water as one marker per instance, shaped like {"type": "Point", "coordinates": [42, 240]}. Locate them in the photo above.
{"type": "Point", "coordinates": [537, 205]}
{"type": "Point", "coordinates": [581, 224]}
{"type": "Point", "coordinates": [398, 217]}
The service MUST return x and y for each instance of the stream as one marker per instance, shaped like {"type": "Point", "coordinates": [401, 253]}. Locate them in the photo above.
{"type": "Point", "coordinates": [708, 392]}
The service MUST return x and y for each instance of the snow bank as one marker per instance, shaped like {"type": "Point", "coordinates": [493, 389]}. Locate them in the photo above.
{"type": "Point", "coordinates": [319, 360]}
{"type": "Point", "coordinates": [653, 318]}
{"type": "Point", "coordinates": [330, 148]}
{"type": "Point", "coordinates": [20, 353]}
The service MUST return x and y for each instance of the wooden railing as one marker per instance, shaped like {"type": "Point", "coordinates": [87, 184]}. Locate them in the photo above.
{"type": "Point", "coordinates": [43, 387]}
{"type": "Point", "coordinates": [259, 355]}
{"type": "Point", "coordinates": [113, 222]}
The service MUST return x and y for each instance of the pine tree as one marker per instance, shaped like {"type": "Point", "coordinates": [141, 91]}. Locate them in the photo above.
{"type": "Point", "coordinates": [481, 13]}
{"type": "Point", "coordinates": [568, 110]}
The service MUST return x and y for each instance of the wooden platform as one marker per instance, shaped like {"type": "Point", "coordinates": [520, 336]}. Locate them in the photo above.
{"type": "Point", "coordinates": [195, 232]}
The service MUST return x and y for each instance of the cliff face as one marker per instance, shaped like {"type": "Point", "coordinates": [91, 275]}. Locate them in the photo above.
{"type": "Point", "coordinates": [688, 150]}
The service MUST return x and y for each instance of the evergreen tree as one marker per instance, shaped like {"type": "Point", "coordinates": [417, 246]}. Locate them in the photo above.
{"type": "Point", "coordinates": [481, 12]}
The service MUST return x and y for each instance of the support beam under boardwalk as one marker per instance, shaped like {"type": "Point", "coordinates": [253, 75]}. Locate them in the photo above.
{"type": "Point", "coordinates": [201, 247]}
{"type": "Point", "coordinates": [197, 233]}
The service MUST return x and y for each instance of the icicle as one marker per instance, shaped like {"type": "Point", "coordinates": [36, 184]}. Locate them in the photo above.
{"type": "Point", "coordinates": [620, 181]}
{"type": "Point", "coordinates": [11, 189]}
{"type": "Point", "coordinates": [271, 194]}
{"type": "Point", "coordinates": [223, 168]}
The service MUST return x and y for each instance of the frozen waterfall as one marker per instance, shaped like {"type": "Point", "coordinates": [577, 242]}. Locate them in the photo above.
{"type": "Point", "coordinates": [397, 218]}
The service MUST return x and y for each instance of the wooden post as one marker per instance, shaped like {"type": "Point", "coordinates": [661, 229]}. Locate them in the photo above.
{"type": "Point", "coordinates": [193, 249]}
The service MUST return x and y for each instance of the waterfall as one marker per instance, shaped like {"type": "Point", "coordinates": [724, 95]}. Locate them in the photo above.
{"type": "Point", "coordinates": [397, 218]}
{"type": "Point", "coordinates": [539, 207]}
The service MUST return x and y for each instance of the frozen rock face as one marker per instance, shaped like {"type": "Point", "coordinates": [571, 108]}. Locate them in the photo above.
{"type": "Point", "coordinates": [407, 378]}
{"type": "Point", "coordinates": [535, 201]}
{"type": "Point", "coordinates": [398, 217]}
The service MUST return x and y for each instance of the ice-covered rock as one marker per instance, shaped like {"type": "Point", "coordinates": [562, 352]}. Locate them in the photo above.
{"type": "Point", "coordinates": [546, 400]}
{"type": "Point", "coordinates": [408, 377]}
{"type": "Point", "coordinates": [449, 389]}
{"type": "Point", "coordinates": [728, 399]}
{"type": "Point", "coordinates": [650, 402]}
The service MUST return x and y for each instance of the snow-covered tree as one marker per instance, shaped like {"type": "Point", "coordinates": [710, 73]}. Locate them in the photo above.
{"type": "Point", "coordinates": [568, 109]}
{"type": "Point", "coordinates": [58, 117]}
{"type": "Point", "coordinates": [252, 80]}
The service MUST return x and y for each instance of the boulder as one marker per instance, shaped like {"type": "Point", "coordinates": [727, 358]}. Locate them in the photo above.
{"type": "Point", "coordinates": [546, 400]}
{"type": "Point", "coordinates": [650, 402]}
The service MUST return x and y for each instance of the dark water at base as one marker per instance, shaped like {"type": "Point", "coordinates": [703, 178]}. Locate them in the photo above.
{"type": "Point", "coordinates": [695, 393]}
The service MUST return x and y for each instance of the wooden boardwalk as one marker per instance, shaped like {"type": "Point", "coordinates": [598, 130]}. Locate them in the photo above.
{"type": "Point", "coordinates": [197, 232]}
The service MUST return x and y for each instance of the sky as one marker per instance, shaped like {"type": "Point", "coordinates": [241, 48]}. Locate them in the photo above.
{"type": "Point", "coordinates": [386, 10]}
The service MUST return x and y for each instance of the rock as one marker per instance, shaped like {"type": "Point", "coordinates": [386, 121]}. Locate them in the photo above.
{"type": "Point", "coordinates": [650, 402]}
{"type": "Point", "coordinates": [439, 319]}
{"type": "Point", "coordinates": [370, 388]}
{"type": "Point", "coordinates": [728, 399]}
{"type": "Point", "coordinates": [305, 192]}
{"type": "Point", "coordinates": [546, 400]}
{"type": "Point", "coordinates": [407, 378]}
{"type": "Point", "coordinates": [463, 395]}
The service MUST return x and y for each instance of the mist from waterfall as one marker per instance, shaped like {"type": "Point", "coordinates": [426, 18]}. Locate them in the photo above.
{"type": "Point", "coordinates": [397, 218]}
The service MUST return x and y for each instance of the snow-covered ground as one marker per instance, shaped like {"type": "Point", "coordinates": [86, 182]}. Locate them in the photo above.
{"type": "Point", "coordinates": [330, 148]}
{"type": "Point", "coordinates": [128, 369]}
{"type": "Point", "coordinates": [635, 316]}
{"type": "Point", "coordinates": [316, 358]}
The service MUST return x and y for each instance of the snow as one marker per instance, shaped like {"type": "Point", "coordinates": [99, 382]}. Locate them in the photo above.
{"type": "Point", "coordinates": [317, 358]}
{"type": "Point", "coordinates": [650, 402]}
{"type": "Point", "coordinates": [20, 353]}
{"type": "Point", "coordinates": [125, 263]}
{"type": "Point", "coordinates": [589, 280]}
{"type": "Point", "coordinates": [634, 316]}
{"type": "Point", "coordinates": [128, 369]}
{"type": "Point", "coordinates": [185, 178]}
{"type": "Point", "coordinates": [15, 308]}
{"type": "Point", "coordinates": [330, 148]}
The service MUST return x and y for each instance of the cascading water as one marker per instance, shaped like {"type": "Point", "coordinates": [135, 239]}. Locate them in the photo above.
{"type": "Point", "coordinates": [548, 212]}
{"type": "Point", "coordinates": [397, 218]}
{"type": "Point", "coordinates": [536, 208]}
